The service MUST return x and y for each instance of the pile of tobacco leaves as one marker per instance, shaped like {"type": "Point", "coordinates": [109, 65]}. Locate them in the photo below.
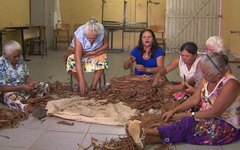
{"type": "Point", "coordinates": [11, 118]}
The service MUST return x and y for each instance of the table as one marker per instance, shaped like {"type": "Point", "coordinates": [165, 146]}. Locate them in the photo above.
{"type": "Point", "coordinates": [21, 29]}
{"type": "Point", "coordinates": [133, 28]}
{"type": "Point", "coordinates": [110, 29]}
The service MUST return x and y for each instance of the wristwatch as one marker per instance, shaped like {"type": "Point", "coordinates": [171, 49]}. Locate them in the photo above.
{"type": "Point", "coordinates": [193, 114]}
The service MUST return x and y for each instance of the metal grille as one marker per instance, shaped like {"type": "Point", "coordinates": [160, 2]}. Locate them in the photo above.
{"type": "Point", "coordinates": [191, 20]}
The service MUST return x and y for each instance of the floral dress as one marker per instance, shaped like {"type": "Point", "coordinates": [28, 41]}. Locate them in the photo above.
{"type": "Point", "coordinates": [15, 76]}
{"type": "Point", "coordinates": [217, 131]}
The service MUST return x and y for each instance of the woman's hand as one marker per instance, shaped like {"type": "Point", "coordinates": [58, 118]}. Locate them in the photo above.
{"type": "Point", "coordinates": [167, 115]}
{"type": "Point", "coordinates": [83, 86]}
{"type": "Point", "coordinates": [189, 89]}
{"type": "Point", "coordinates": [34, 84]}
{"type": "Point", "coordinates": [140, 68]}
{"type": "Point", "coordinates": [28, 87]}
{"type": "Point", "coordinates": [127, 64]}
{"type": "Point", "coordinates": [179, 116]}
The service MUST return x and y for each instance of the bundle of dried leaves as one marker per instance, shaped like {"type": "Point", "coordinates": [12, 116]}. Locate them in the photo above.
{"type": "Point", "coordinates": [119, 143]}
{"type": "Point", "coordinates": [11, 118]}
{"type": "Point", "coordinates": [61, 90]}
{"type": "Point", "coordinates": [148, 120]}
{"type": "Point", "coordinates": [137, 92]}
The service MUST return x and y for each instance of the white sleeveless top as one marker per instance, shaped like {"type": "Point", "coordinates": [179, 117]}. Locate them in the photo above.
{"type": "Point", "coordinates": [184, 70]}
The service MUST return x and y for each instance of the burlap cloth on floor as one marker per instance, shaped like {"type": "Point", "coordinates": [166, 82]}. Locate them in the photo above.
{"type": "Point", "coordinates": [92, 111]}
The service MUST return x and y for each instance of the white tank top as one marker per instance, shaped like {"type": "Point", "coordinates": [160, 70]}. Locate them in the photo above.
{"type": "Point", "coordinates": [184, 70]}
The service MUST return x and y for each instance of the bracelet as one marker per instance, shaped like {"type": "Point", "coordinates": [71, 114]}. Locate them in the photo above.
{"type": "Point", "coordinates": [193, 114]}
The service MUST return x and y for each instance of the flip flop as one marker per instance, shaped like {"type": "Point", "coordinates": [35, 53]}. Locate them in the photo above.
{"type": "Point", "coordinates": [134, 130]}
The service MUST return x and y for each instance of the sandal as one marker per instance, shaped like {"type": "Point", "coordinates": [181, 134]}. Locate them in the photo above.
{"type": "Point", "coordinates": [134, 130]}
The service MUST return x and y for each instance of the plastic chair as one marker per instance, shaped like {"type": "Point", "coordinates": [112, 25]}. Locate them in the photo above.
{"type": "Point", "coordinates": [40, 40]}
{"type": "Point", "coordinates": [62, 34]}
{"type": "Point", "coordinates": [159, 33]}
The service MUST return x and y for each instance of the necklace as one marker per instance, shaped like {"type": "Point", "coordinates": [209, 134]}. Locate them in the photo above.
{"type": "Point", "coordinates": [146, 55]}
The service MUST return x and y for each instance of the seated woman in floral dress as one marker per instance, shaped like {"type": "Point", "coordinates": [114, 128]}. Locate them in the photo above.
{"type": "Point", "coordinates": [216, 123]}
{"type": "Point", "coordinates": [16, 84]}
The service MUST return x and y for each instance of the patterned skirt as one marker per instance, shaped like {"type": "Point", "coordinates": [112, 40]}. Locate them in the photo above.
{"type": "Point", "coordinates": [199, 131]}
{"type": "Point", "coordinates": [90, 64]}
{"type": "Point", "coordinates": [18, 100]}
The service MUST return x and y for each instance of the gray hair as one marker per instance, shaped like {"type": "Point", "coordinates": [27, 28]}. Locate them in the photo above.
{"type": "Point", "coordinates": [217, 43]}
{"type": "Point", "coordinates": [11, 46]}
{"type": "Point", "coordinates": [92, 26]}
{"type": "Point", "coordinates": [216, 62]}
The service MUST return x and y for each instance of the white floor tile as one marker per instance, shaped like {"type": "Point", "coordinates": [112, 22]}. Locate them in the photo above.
{"type": "Point", "coordinates": [77, 127]}
{"type": "Point", "coordinates": [36, 124]}
{"type": "Point", "coordinates": [11, 148]}
{"type": "Point", "coordinates": [104, 129]}
{"type": "Point", "coordinates": [18, 137]}
{"type": "Point", "coordinates": [58, 141]}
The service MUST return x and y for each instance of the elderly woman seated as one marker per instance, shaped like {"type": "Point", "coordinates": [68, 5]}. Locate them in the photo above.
{"type": "Point", "coordinates": [15, 82]}
{"type": "Point", "coordinates": [217, 121]}
{"type": "Point", "coordinates": [216, 44]}
{"type": "Point", "coordinates": [88, 50]}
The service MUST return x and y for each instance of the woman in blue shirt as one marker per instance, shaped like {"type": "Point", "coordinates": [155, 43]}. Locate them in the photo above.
{"type": "Point", "coordinates": [149, 57]}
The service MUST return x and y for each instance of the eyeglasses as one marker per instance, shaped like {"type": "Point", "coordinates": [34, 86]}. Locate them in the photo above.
{"type": "Point", "coordinates": [213, 63]}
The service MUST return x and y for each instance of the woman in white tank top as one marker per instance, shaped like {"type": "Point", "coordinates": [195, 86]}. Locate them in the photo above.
{"type": "Point", "coordinates": [188, 63]}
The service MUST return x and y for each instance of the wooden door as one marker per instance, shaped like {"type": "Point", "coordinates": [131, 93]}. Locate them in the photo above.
{"type": "Point", "coordinates": [191, 20]}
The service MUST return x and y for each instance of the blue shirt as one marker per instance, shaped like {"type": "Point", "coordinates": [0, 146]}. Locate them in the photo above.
{"type": "Point", "coordinates": [10, 75]}
{"type": "Point", "coordinates": [149, 63]}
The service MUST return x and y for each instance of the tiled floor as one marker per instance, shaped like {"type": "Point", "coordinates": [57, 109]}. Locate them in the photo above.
{"type": "Point", "coordinates": [32, 134]}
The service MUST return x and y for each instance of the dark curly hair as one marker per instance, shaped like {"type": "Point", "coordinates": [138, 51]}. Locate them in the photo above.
{"type": "Point", "coordinates": [154, 45]}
